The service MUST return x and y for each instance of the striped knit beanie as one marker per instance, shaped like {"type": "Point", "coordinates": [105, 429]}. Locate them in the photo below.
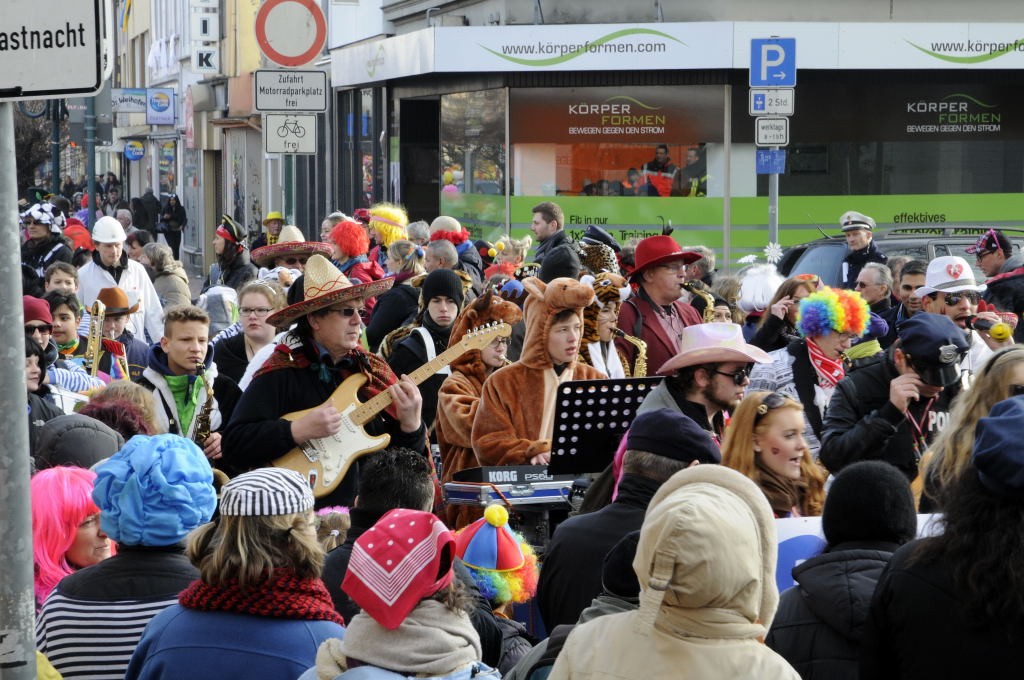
{"type": "Point", "coordinates": [266, 492]}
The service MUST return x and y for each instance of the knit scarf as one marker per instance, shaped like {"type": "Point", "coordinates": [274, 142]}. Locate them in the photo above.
{"type": "Point", "coordinates": [785, 495]}
{"type": "Point", "coordinates": [432, 640]}
{"type": "Point", "coordinates": [830, 371]}
{"type": "Point", "coordinates": [282, 596]}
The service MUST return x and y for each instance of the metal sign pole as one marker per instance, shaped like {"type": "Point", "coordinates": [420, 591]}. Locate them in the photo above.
{"type": "Point", "coordinates": [773, 205]}
{"type": "Point", "coordinates": [17, 599]}
{"type": "Point", "coordinates": [90, 160]}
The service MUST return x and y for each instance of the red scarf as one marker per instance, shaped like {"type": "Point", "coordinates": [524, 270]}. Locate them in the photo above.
{"type": "Point", "coordinates": [830, 371]}
{"type": "Point", "coordinates": [282, 596]}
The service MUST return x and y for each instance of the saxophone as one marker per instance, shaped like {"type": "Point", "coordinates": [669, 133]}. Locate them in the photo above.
{"type": "Point", "coordinates": [640, 365]}
{"type": "Point", "coordinates": [201, 432]}
{"type": "Point", "coordinates": [95, 343]}
{"type": "Point", "coordinates": [697, 288]}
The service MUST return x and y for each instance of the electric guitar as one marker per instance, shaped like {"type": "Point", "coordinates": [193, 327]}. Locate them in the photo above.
{"type": "Point", "coordinates": [324, 462]}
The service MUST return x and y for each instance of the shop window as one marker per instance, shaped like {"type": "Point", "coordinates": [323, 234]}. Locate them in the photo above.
{"type": "Point", "coordinates": [473, 143]}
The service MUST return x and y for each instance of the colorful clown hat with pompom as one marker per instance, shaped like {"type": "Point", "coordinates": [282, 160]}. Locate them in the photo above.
{"type": "Point", "coordinates": [502, 563]}
{"type": "Point", "coordinates": [833, 310]}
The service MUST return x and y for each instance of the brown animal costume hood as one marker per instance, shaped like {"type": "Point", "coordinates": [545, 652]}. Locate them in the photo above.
{"type": "Point", "coordinates": [485, 309]}
{"type": "Point", "coordinates": [609, 288]}
{"type": "Point", "coordinates": [543, 303]}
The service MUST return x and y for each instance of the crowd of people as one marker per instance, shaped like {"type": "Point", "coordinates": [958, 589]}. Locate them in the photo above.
{"type": "Point", "coordinates": [256, 478]}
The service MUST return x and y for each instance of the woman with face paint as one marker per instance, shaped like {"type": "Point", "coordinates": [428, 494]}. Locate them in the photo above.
{"type": "Point", "coordinates": [765, 441]}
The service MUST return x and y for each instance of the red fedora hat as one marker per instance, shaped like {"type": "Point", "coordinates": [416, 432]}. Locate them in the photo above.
{"type": "Point", "coordinates": [655, 250]}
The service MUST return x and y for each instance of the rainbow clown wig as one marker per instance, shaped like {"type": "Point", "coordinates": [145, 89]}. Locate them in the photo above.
{"type": "Point", "coordinates": [503, 565]}
{"type": "Point", "coordinates": [833, 309]}
{"type": "Point", "coordinates": [389, 221]}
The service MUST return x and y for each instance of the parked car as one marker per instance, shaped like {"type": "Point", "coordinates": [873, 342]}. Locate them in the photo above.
{"type": "Point", "coordinates": [824, 256]}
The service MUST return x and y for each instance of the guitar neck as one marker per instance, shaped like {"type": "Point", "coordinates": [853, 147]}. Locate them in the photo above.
{"type": "Point", "coordinates": [373, 406]}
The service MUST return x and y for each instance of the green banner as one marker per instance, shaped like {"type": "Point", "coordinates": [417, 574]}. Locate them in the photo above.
{"type": "Point", "coordinates": [700, 220]}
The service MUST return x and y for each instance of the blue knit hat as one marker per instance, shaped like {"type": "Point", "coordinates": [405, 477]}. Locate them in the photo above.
{"type": "Point", "coordinates": [154, 491]}
{"type": "Point", "coordinates": [997, 454]}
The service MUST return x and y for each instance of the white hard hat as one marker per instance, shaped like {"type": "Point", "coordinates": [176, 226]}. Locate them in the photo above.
{"type": "Point", "coordinates": [108, 230]}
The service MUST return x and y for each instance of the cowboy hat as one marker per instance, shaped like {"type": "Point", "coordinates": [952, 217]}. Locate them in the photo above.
{"type": "Point", "coordinates": [655, 250]}
{"type": "Point", "coordinates": [273, 215]}
{"type": "Point", "coordinates": [323, 286]}
{"type": "Point", "coordinates": [116, 301]}
{"type": "Point", "coordinates": [713, 343]}
{"type": "Point", "coordinates": [289, 242]}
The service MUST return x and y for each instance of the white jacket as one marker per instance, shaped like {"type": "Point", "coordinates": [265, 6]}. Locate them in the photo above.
{"type": "Point", "coordinates": [166, 407]}
{"type": "Point", "coordinates": [135, 282]}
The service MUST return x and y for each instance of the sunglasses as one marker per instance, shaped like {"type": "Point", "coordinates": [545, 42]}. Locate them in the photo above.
{"type": "Point", "coordinates": [953, 299]}
{"type": "Point", "coordinates": [348, 312]}
{"type": "Point", "coordinates": [43, 328]}
{"type": "Point", "coordinates": [1016, 390]}
{"type": "Point", "coordinates": [771, 401]}
{"type": "Point", "coordinates": [739, 377]}
{"type": "Point", "coordinates": [295, 260]}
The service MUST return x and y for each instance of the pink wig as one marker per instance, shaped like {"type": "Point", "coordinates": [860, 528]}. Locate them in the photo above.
{"type": "Point", "coordinates": [61, 500]}
{"type": "Point", "coordinates": [351, 238]}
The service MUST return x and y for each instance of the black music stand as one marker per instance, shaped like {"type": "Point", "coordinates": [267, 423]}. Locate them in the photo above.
{"type": "Point", "coordinates": [590, 418]}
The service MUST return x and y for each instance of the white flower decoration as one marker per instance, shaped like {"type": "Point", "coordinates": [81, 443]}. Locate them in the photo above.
{"type": "Point", "coordinates": [747, 259]}
{"type": "Point", "coordinates": [773, 253]}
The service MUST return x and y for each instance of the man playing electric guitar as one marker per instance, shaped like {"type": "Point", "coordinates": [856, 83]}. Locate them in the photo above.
{"type": "Point", "coordinates": [307, 365]}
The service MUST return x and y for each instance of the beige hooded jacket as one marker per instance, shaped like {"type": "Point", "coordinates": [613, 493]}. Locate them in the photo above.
{"type": "Point", "coordinates": [706, 564]}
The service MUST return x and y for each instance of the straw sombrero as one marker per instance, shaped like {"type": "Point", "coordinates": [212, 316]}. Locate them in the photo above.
{"type": "Point", "coordinates": [323, 286]}
{"type": "Point", "coordinates": [289, 242]}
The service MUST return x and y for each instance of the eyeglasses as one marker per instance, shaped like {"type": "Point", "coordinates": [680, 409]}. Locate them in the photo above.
{"type": "Point", "coordinates": [43, 328]}
{"type": "Point", "coordinates": [257, 311]}
{"type": "Point", "coordinates": [348, 312]}
{"type": "Point", "coordinates": [982, 255]}
{"type": "Point", "coordinates": [295, 260]}
{"type": "Point", "coordinates": [498, 342]}
{"type": "Point", "coordinates": [739, 377]}
{"type": "Point", "coordinates": [772, 400]}
{"type": "Point", "coordinates": [953, 299]}
{"type": "Point", "coordinates": [861, 284]}
{"type": "Point", "coordinates": [848, 337]}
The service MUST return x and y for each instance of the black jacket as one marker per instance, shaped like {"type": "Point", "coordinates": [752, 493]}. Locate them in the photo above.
{"type": "Point", "coordinates": [775, 334]}
{"type": "Point", "coordinates": [231, 358]}
{"type": "Point", "coordinates": [559, 238]}
{"type": "Point", "coordinates": [410, 354]}
{"type": "Point", "coordinates": [336, 566]}
{"type": "Point", "coordinates": [856, 259]}
{"type": "Point", "coordinates": [862, 424]}
{"type": "Point", "coordinates": [134, 573]}
{"type": "Point", "coordinates": [918, 628]}
{"type": "Point", "coordinates": [40, 411]}
{"type": "Point", "coordinates": [571, 577]}
{"type": "Point", "coordinates": [257, 432]}
{"type": "Point", "coordinates": [1006, 291]}
{"type": "Point", "coordinates": [235, 274]}
{"type": "Point", "coordinates": [41, 254]}
{"type": "Point", "coordinates": [820, 622]}
{"type": "Point", "coordinates": [393, 309]}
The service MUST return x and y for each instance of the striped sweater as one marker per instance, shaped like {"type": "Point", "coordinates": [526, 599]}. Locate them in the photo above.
{"type": "Point", "coordinates": [93, 620]}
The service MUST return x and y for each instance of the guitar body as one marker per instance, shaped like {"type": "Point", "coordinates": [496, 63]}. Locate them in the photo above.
{"type": "Point", "coordinates": [325, 462]}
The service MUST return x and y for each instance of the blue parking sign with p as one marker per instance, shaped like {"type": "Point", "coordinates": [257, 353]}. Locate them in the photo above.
{"type": "Point", "coordinates": [773, 62]}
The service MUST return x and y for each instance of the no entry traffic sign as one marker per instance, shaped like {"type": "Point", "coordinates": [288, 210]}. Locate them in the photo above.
{"type": "Point", "coordinates": [291, 32]}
